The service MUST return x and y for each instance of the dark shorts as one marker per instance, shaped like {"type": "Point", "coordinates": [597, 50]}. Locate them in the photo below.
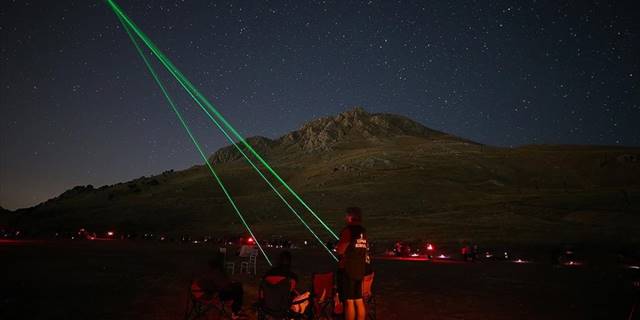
{"type": "Point", "coordinates": [348, 288]}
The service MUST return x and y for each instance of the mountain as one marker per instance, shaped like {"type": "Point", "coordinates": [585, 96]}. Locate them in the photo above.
{"type": "Point", "coordinates": [411, 181]}
{"type": "Point", "coordinates": [4, 217]}
{"type": "Point", "coordinates": [325, 134]}
{"type": "Point", "coordinates": [3, 210]}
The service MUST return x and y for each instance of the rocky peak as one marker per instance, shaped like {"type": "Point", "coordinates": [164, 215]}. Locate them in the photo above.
{"type": "Point", "coordinates": [229, 153]}
{"type": "Point", "coordinates": [324, 133]}
{"type": "Point", "coordinates": [321, 134]}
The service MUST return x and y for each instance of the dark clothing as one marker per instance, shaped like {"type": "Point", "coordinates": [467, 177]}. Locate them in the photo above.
{"type": "Point", "coordinates": [352, 248]}
{"type": "Point", "coordinates": [282, 271]}
{"type": "Point", "coordinates": [215, 281]}
{"type": "Point", "coordinates": [275, 296]}
{"type": "Point", "coordinates": [348, 288]}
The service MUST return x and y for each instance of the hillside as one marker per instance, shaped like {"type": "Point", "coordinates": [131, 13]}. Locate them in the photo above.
{"type": "Point", "coordinates": [411, 181]}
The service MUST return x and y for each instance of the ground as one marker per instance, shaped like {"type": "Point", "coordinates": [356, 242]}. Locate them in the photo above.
{"type": "Point", "coordinates": [148, 280]}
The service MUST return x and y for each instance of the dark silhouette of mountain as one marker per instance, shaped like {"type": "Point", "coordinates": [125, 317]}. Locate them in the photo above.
{"type": "Point", "coordinates": [324, 134]}
{"type": "Point", "coordinates": [412, 182]}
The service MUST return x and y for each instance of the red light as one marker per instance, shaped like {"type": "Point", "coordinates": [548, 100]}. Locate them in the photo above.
{"type": "Point", "coordinates": [250, 240]}
{"type": "Point", "coordinates": [430, 247]}
{"type": "Point", "coordinates": [110, 233]}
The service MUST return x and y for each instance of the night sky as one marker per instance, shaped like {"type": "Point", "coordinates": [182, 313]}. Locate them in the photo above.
{"type": "Point", "coordinates": [78, 106]}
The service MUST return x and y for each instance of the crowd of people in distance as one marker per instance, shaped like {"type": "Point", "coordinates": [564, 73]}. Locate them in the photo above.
{"type": "Point", "coordinates": [468, 252]}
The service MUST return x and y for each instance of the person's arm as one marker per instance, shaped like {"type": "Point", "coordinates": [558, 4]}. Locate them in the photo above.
{"type": "Point", "coordinates": [345, 238]}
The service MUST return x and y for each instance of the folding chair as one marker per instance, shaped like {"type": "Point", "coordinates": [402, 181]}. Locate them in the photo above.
{"type": "Point", "coordinates": [249, 266]}
{"type": "Point", "coordinates": [228, 265]}
{"type": "Point", "coordinates": [199, 304]}
{"type": "Point", "coordinates": [275, 299]}
{"type": "Point", "coordinates": [322, 293]}
{"type": "Point", "coordinates": [368, 296]}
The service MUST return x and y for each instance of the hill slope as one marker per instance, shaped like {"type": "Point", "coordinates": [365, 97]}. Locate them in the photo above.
{"type": "Point", "coordinates": [411, 181]}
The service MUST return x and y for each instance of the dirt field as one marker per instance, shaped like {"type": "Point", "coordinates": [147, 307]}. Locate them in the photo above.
{"type": "Point", "coordinates": [148, 280]}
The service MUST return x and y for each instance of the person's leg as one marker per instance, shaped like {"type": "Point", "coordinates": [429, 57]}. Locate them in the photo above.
{"type": "Point", "coordinates": [340, 283]}
{"type": "Point", "coordinates": [349, 310]}
{"type": "Point", "coordinates": [360, 309]}
{"type": "Point", "coordinates": [357, 298]}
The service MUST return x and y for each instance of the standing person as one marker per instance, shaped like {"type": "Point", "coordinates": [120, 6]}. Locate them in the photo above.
{"type": "Point", "coordinates": [465, 252]}
{"type": "Point", "coordinates": [352, 249]}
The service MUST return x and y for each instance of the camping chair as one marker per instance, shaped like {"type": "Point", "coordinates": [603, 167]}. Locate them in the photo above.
{"type": "Point", "coordinates": [200, 304]}
{"type": "Point", "coordinates": [368, 296]}
{"type": "Point", "coordinates": [249, 266]}
{"type": "Point", "coordinates": [322, 293]}
{"type": "Point", "coordinates": [228, 265]}
{"type": "Point", "coordinates": [275, 299]}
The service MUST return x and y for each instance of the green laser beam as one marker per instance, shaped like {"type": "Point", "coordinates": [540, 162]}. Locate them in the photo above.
{"type": "Point", "coordinates": [264, 177]}
{"type": "Point", "coordinates": [193, 91]}
{"type": "Point", "coordinates": [248, 159]}
{"type": "Point", "coordinates": [192, 137]}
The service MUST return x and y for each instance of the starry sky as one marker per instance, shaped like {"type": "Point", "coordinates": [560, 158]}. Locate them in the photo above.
{"type": "Point", "coordinates": [78, 107]}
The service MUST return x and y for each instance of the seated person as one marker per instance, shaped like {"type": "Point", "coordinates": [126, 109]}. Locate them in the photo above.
{"type": "Point", "coordinates": [246, 250]}
{"type": "Point", "coordinates": [216, 281]}
{"type": "Point", "coordinates": [283, 268]}
{"type": "Point", "coordinates": [282, 271]}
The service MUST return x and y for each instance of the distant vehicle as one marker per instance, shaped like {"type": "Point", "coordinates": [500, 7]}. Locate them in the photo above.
{"type": "Point", "coordinates": [10, 233]}
{"type": "Point", "coordinates": [629, 258]}
{"type": "Point", "coordinates": [568, 257]}
{"type": "Point", "coordinates": [200, 240]}
{"type": "Point", "coordinates": [495, 255]}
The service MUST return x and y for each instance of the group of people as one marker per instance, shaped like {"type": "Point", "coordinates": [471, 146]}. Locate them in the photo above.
{"type": "Point", "coordinates": [354, 263]}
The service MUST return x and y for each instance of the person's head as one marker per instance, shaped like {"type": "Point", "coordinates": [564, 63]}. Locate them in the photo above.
{"type": "Point", "coordinates": [354, 215]}
{"type": "Point", "coordinates": [284, 260]}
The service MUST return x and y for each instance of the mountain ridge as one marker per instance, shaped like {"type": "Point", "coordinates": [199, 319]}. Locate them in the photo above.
{"type": "Point", "coordinates": [323, 134]}
{"type": "Point", "coordinates": [410, 180]}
